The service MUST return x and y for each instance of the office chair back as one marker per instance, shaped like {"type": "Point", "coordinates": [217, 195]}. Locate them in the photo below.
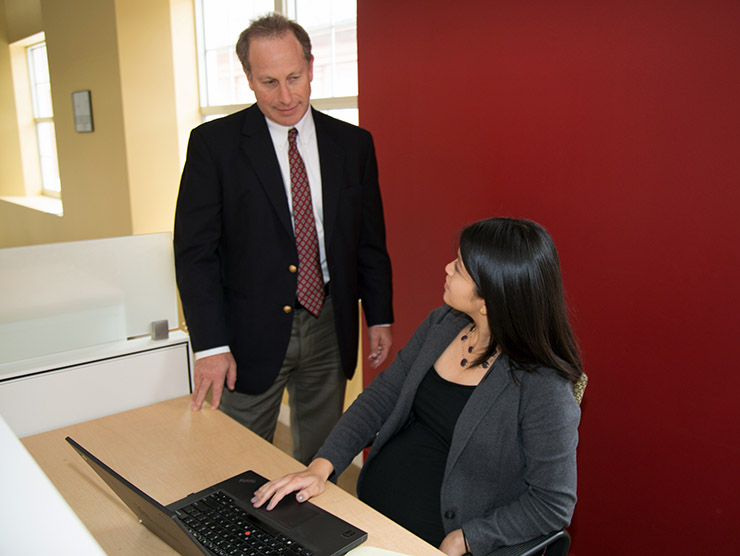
{"type": "Point", "coordinates": [580, 387]}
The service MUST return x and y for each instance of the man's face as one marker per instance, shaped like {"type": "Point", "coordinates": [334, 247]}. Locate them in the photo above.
{"type": "Point", "coordinates": [280, 78]}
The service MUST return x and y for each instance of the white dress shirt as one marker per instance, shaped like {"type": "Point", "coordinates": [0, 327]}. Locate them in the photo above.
{"type": "Point", "coordinates": [309, 150]}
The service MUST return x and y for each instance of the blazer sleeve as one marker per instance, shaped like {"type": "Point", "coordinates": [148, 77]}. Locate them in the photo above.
{"type": "Point", "coordinates": [374, 264]}
{"type": "Point", "coordinates": [197, 241]}
{"type": "Point", "coordinates": [361, 423]}
{"type": "Point", "coordinates": [548, 423]}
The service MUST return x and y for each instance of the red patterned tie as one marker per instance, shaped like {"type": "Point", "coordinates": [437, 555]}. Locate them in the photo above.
{"type": "Point", "coordinates": [310, 279]}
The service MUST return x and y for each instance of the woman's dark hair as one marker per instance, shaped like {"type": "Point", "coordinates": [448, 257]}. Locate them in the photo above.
{"type": "Point", "coordinates": [516, 270]}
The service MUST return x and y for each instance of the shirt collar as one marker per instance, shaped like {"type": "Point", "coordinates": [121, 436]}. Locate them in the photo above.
{"type": "Point", "coordinates": [305, 127]}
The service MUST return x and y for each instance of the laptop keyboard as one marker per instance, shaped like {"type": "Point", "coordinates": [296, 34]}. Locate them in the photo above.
{"type": "Point", "coordinates": [227, 530]}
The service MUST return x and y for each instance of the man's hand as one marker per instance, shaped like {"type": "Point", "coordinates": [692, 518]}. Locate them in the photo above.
{"type": "Point", "coordinates": [213, 371]}
{"type": "Point", "coordinates": [381, 340]}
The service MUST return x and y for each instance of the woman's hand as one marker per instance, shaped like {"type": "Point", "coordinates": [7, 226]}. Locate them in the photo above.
{"type": "Point", "coordinates": [308, 483]}
{"type": "Point", "coordinates": [454, 544]}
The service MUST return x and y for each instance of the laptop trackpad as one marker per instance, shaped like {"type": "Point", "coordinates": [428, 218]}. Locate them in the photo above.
{"type": "Point", "coordinates": [290, 512]}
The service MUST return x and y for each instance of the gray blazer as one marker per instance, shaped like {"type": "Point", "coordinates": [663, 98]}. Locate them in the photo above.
{"type": "Point", "coordinates": [511, 470]}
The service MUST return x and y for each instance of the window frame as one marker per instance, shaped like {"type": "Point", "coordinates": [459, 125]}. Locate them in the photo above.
{"type": "Point", "coordinates": [29, 190]}
{"type": "Point", "coordinates": [207, 112]}
{"type": "Point", "coordinates": [40, 120]}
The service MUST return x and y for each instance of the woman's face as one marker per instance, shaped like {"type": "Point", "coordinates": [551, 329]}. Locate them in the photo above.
{"type": "Point", "coordinates": [460, 288]}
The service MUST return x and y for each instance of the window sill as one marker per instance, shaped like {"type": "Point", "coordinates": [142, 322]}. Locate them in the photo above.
{"type": "Point", "coordinates": [41, 203]}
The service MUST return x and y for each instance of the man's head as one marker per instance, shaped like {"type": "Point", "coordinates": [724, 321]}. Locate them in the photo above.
{"type": "Point", "coordinates": [276, 56]}
{"type": "Point", "coordinates": [271, 26]}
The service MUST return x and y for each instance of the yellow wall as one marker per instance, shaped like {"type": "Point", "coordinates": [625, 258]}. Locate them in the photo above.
{"type": "Point", "coordinates": [121, 179]}
{"type": "Point", "coordinates": [148, 84]}
{"type": "Point", "coordinates": [11, 168]}
{"type": "Point", "coordinates": [24, 18]}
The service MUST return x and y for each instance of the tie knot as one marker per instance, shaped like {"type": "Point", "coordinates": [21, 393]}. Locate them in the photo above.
{"type": "Point", "coordinates": [292, 134]}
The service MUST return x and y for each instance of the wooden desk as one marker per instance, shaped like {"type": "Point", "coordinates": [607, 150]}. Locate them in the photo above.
{"type": "Point", "coordinates": [169, 451]}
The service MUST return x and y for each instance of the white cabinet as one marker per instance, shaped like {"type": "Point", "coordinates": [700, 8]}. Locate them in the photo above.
{"type": "Point", "coordinates": [49, 392]}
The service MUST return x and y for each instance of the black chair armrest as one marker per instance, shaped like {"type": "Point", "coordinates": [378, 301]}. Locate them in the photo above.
{"type": "Point", "coordinates": [557, 544]}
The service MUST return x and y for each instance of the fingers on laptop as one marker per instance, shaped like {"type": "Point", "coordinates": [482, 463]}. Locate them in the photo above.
{"type": "Point", "coordinates": [306, 484]}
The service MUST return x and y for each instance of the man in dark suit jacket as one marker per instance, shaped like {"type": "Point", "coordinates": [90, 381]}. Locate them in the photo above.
{"type": "Point", "coordinates": [236, 255]}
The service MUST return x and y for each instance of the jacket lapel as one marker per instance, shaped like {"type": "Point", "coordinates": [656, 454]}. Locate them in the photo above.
{"type": "Point", "coordinates": [483, 399]}
{"type": "Point", "coordinates": [258, 148]}
{"type": "Point", "coordinates": [439, 337]}
{"type": "Point", "coordinates": [331, 157]}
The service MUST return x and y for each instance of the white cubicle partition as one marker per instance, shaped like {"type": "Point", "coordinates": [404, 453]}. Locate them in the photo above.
{"type": "Point", "coordinates": [35, 518]}
{"type": "Point", "coordinates": [75, 320]}
{"type": "Point", "coordinates": [64, 296]}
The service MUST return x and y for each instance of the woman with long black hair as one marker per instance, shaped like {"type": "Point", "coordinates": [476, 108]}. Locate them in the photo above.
{"type": "Point", "coordinates": [473, 428]}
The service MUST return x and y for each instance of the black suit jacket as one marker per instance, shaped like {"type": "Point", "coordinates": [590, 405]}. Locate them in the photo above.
{"type": "Point", "coordinates": [234, 243]}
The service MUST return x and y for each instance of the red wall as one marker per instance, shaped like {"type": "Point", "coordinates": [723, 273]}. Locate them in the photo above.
{"type": "Point", "coordinates": [616, 124]}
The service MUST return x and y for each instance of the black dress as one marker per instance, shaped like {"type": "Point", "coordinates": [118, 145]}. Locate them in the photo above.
{"type": "Point", "coordinates": [404, 480]}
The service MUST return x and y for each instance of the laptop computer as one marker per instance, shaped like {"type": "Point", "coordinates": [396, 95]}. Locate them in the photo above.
{"type": "Point", "coordinates": [290, 529]}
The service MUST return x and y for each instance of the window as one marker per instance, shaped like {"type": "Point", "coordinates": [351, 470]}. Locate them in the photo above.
{"type": "Point", "coordinates": [35, 182]}
{"type": "Point", "coordinates": [43, 117]}
{"type": "Point", "coordinates": [332, 25]}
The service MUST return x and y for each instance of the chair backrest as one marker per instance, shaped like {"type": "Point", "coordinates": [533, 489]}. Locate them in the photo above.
{"type": "Point", "coordinates": [580, 387]}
